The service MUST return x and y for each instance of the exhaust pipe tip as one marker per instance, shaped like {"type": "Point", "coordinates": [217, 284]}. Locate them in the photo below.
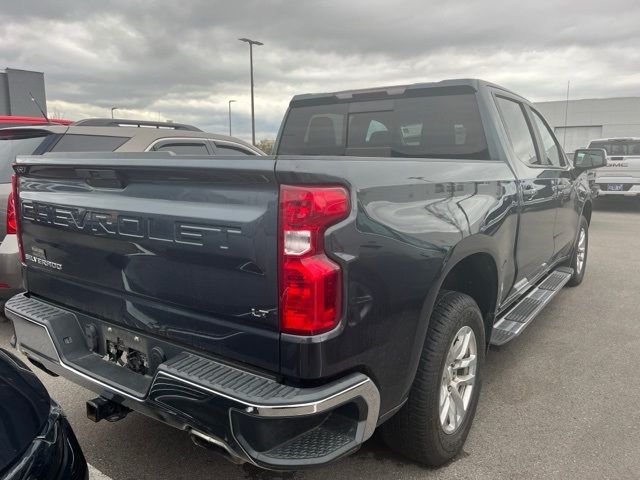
{"type": "Point", "coordinates": [215, 445]}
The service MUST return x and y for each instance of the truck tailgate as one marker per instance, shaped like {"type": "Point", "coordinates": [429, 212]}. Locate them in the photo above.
{"type": "Point", "coordinates": [620, 169]}
{"type": "Point", "coordinates": [179, 248]}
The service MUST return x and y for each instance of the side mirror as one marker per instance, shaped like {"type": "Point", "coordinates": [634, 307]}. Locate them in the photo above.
{"type": "Point", "coordinates": [589, 158]}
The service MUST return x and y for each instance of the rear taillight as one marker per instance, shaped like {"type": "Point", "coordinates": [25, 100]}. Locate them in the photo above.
{"type": "Point", "coordinates": [13, 222]}
{"type": "Point", "coordinates": [310, 283]}
{"type": "Point", "coordinates": [11, 209]}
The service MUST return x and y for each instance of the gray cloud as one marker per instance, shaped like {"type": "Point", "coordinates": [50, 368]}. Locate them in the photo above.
{"type": "Point", "coordinates": [165, 59]}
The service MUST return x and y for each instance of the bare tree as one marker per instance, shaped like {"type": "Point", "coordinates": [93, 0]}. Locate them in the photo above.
{"type": "Point", "coordinates": [266, 145]}
{"type": "Point", "coordinates": [57, 113]}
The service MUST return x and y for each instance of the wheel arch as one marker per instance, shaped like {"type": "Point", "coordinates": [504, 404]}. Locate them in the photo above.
{"type": "Point", "coordinates": [476, 275]}
{"type": "Point", "coordinates": [472, 255]}
{"type": "Point", "coordinates": [463, 271]}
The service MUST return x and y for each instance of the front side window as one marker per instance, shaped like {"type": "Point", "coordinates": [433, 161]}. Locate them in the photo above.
{"type": "Point", "coordinates": [370, 129]}
{"type": "Point", "coordinates": [518, 130]}
{"type": "Point", "coordinates": [374, 128]}
{"type": "Point", "coordinates": [551, 154]}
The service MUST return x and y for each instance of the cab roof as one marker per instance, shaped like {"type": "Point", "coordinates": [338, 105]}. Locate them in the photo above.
{"type": "Point", "coordinates": [471, 85]}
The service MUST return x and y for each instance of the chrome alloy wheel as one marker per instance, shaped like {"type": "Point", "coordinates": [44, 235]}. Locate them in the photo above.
{"type": "Point", "coordinates": [458, 379]}
{"type": "Point", "coordinates": [581, 251]}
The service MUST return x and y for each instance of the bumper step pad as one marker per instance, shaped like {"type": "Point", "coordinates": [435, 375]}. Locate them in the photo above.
{"type": "Point", "coordinates": [329, 437]}
{"type": "Point", "coordinates": [510, 325]}
{"type": "Point", "coordinates": [229, 380]}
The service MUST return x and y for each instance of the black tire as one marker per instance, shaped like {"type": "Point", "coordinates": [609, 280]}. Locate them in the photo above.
{"type": "Point", "coordinates": [578, 274]}
{"type": "Point", "coordinates": [416, 431]}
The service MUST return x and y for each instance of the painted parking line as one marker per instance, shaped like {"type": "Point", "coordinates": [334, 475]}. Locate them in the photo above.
{"type": "Point", "coordinates": [95, 474]}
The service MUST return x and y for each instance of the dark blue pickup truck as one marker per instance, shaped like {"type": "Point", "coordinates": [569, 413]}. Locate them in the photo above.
{"type": "Point", "coordinates": [280, 309]}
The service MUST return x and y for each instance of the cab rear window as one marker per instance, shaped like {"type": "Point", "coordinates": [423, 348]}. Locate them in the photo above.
{"type": "Point", "coordinates": [435, 126]}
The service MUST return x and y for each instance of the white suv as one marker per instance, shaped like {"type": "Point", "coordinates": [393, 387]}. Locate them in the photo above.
{"type": "Point", "coordinates": [621, 176]}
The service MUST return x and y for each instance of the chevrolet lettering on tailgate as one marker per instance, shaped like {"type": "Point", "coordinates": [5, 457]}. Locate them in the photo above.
{"type": "Point", "coordinates": [109, 223]}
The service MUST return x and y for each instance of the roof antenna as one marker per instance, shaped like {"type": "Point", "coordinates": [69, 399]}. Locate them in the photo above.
{"type": "Point", "coordinates": [39, 107]}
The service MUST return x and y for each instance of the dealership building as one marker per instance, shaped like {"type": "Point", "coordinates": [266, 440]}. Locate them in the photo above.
{"type": "Point", "coordinates": [592, 118]}
{"type": "Point", "coordinates": [16, 88]}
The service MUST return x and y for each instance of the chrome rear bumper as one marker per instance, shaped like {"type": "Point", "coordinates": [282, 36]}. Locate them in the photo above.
{"type": "Point", "coordinates": [252, 416]}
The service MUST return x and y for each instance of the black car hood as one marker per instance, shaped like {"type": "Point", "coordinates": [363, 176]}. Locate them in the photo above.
{"type": "Point", "coordinates": [24, 408]}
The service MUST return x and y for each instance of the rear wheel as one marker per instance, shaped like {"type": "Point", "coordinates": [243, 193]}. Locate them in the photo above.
{"type": "Point", "coordinates": [432, 426]}
{"type": "Point", "coordinates": [580, 250]}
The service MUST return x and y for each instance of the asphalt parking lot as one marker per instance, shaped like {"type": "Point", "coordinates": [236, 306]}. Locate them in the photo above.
{"type": "Point", "coordinates": [561, 401]}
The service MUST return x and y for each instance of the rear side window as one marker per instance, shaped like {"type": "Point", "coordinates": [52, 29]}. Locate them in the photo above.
{"type": "Point", "coordinates": [88, 143]}
{"type": "Point", "coordinates": [618, 147]}
{"type": "Point", "coordinates": [183, 148]}
{"type": "Point", "coordinates": [518, 130]}
{"type": "Point", "coordinates": [430, 126]}
{"type": "Point", "coordinates": [10, 147]}
{"type": "Point", "coordinates": [229, 150]}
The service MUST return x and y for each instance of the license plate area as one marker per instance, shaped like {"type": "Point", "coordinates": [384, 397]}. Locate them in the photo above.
{"type": "Point", "coordinates": [615, 187]}
{"type": "Point", "coordinates": [120, 353]}
{"type": "Point", "coordinates": [128, 350]}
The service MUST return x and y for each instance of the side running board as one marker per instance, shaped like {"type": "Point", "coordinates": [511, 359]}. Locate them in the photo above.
{"type": "Point", "coordinates": [511, 324]}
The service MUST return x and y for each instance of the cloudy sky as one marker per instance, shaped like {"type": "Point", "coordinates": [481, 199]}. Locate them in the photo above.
{"type": "Point", "coordinates": [181, 59]}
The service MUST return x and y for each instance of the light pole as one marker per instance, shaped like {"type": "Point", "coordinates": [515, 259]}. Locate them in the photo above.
{"type": "Point", "coordinates": [253, 118]}
{"type": "Point", "coordinates": [230, 102]}
{"type": "Point", "coordinates": [112, 109]}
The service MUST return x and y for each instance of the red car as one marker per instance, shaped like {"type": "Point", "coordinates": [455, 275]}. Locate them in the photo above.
{"type": "Point", "coordinates": [15, 121]}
